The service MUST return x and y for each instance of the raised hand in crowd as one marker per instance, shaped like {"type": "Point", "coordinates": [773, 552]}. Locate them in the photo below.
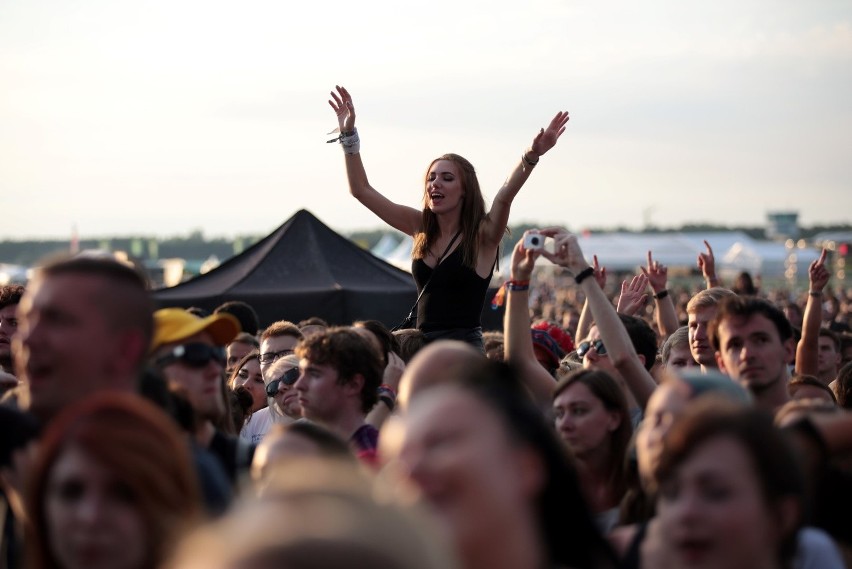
{"type": "Point", "coordinates": [546, 138]}
{"type": "Point", "coordinates": [818, 274]}
{"type": "Point", "coordinates": [343, 107]}
{"type": "Point", "coordinates": [585, 322]}
{"type": "Point", "coordinates": [707, 264]}
{"type": "Point", "coordinates": [633, 296]}
{"type": "Point", "coordinates": [518, 342]}
{"type": "Point", "coordinates": [658, 277]}
{"type": "Point", "coordinates": [807, 350]}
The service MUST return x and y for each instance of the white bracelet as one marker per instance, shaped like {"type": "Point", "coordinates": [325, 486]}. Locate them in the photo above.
{"type": "Point", "coordinates": [350, 142]}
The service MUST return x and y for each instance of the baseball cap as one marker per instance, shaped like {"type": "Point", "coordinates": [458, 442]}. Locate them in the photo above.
{"type": "Point", "coordinates": [176, 324]}
{"type": "Point", "coordinates": [545, 344]}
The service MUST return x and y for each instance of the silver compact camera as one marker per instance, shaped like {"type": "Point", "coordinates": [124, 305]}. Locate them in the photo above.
{"type": "Point", "coordinates": [534, 241]}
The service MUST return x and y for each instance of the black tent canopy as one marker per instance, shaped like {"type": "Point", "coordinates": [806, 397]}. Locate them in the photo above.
{"type": "Point", "coordinates": [302, 269]}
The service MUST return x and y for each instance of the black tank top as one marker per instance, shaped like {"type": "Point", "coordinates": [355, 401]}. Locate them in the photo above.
{"type": "Point", "coordinates": [454, 297]}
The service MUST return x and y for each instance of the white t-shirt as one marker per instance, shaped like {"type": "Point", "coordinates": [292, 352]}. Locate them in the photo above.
{"type": "Point", "coordinates": [257, 426]}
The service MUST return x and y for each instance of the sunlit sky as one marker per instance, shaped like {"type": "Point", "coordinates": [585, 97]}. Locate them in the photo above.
{"type": "Point", "coordinates": [163, 117]}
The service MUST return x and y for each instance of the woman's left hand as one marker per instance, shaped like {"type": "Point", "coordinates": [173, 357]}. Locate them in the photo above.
{"type": "Point", "coordinates": [546, 138]}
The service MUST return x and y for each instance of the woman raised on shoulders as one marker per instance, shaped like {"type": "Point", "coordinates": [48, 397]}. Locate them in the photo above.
{"type": "Point", "coordinates": [453, 229]}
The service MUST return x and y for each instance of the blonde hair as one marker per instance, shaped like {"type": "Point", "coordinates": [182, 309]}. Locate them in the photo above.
{"type": "Point", "coordinates": [708, 298]}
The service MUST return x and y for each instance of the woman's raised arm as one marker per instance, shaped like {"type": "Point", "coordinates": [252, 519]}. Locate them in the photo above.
{"type": "Point", "coordinates": [498, 217]}
{"type": "Point", "coordinates": [400, 217]}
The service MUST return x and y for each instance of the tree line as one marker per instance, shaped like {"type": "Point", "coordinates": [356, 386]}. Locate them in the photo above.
{"type": "Point", "coordinates": [196, 246]}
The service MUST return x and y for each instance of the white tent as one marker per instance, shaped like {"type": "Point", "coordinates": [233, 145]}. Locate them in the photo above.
{"type": "Point", "coordinates": [735, 251]}
{"type": "Point", "coordinates": [13, 274]}
{"type": "Point", "coordinates": [626, 252]}
{"type": "Point", "coordinates": [400, 257]}
{"type": "Point", "coordinates": [385, 246]}
{"type": "Point", "coordinates": [766, 258]}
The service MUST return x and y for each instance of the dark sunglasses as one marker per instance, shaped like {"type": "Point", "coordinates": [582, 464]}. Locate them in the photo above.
{"type": "Point", "coordinates": [597, 346]}
{"type": "Point", "coordinates": [289, 378]}
{"type": "Point", "coordinates": [194, 355]}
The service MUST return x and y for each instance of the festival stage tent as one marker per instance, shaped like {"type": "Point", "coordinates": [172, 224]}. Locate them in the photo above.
{"type": "Point", "coordinates": [302, 269]}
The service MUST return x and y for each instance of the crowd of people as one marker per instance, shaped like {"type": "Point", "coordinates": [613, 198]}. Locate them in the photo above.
{"type": "Point", "coordinates": [654, 427]}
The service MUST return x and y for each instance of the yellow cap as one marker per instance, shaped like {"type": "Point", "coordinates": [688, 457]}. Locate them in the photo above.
{"type": "Point", "coordinates": [176, 324]}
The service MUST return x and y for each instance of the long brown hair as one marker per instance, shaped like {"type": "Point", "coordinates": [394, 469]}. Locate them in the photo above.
{"type": "Point", "coordinates": [604, 387]}
{"type": "Point", "coordinates": [142, 447]}
{"type": "Point", "coordinates": [472, 214]}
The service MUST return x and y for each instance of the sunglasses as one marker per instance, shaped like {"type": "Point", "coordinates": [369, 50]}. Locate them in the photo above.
{"type": "Point", "coordinates": [289, 378]}
{"type": "Point", "coordinates": [597, 346]}
{"type": "Point", "coordinates": [270, 357]}
{"type": "Point", "coordinates": [194, 355]}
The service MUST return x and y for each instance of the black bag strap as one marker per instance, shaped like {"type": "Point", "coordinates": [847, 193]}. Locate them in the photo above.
{"type": "Point", "coordinates": [438, 264]}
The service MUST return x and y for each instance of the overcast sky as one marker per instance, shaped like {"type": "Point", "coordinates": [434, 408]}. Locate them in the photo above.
{"type": "Point", "coordinates": [166, 116]}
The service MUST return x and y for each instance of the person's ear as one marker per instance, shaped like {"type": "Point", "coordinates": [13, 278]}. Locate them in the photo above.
{"type": "Point", "coordinates": [641, 359]}
{"type": "Point", "coordinates": [130, 349]}
{"type": "Point", "coordinates": [354, 385]}
{"type": "Point", "coordinates": [789, 351]}
{"type": "Point", "coordinates": [720, 362]}
{"type": "Point", "coordinates": [614, 420]}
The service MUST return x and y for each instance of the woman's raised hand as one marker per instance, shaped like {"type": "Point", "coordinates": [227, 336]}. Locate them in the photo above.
{"type": "Point", "coordinates": [341, 102]}
{"type": "Point", "coordinates": [547, 137]}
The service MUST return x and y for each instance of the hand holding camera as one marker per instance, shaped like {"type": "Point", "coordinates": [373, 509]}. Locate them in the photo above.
{"type": "Point", "coordinates": [533, 240]}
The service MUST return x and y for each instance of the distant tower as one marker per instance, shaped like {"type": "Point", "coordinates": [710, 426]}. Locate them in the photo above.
{"type": "Point", "coordinates": [75, 240]}
{"type": "Point", "coordinates": [782, 225]}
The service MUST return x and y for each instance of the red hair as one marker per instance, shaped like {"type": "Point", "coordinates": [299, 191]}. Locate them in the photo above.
{"type": "Point", "coordinates": [142, 447]}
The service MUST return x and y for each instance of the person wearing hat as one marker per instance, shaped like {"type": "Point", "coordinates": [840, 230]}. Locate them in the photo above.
{"type": "Point", "coordinates": [550, 344]}
{"type": "Point", "coordinates": [189, 352]}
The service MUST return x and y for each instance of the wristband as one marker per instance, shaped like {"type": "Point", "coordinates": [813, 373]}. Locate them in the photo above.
{"type": "Point", "coordinates": [529, 162]}
{"type": "Point", "coordinates": [662, 294]}
{"type": "Point", "coordinates": [512, 285]}
{"type": "Point", "coordinates": [387, 395]}
{"type": "Point", "coordinates": [584, 274]}
{"type": "Point", "coordinates": [815, 292]}
{"type": "Point", "coordinates": [351, 142]}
